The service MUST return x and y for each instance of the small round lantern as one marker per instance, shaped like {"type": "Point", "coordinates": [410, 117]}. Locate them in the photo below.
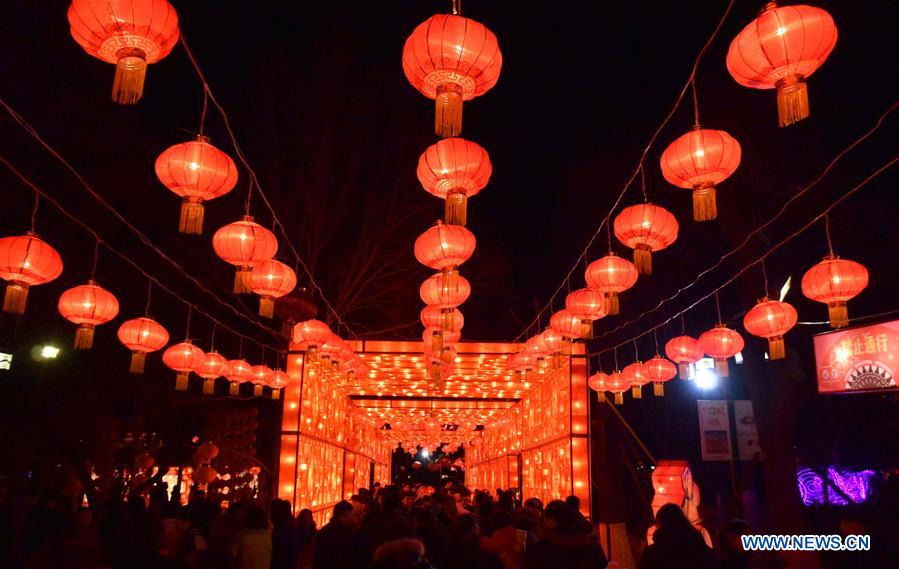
{"type": "Point", "coordinates": [835, 281]}
{"type": "Point", "coordinates": [721, 343]}
{"type": "Point", "coordinates": [262, 376]}
{"type": "Point", "coordinates": [645, 228]}
{"type": "Point", "coordinates": [271, 279]}
{"type": "Point", "coordinates": [566, 324]}
{"type": "Point", "coordinates": [142, 336]}
{"type": "Point", "coordinates": [636, 376]}
{"type": "Point", "coordinates": [211, 367]}
{"type": "Point", "coordinates": [243, 244]}
{"type": "Point", "coordinates": [659, 370]}
{"type": "Point", "coordinates": [611, 275]}
{"type": "Point", "coordinates": [88, 306]}
{"type": "Point", "coordinates": [237, 372]}
{"type": "Point", "coordinates": [279, 381]}
{"type": "Point", "coordinates": [445, 247]}
{"type": "Point", "coordinates": [597, 382]}
{"type": "Point", "coordinates": [26, 261]}
{"type": "Point", "coordinates": [616, 384]}
{"type": "Point", "coordinates": [588, 305]}
{"type": "Point", "coordinates": [183, 358]}
{"type": "Point", "coordinates": [454, 169]}
{"type": "Point", "coordinates": [771, 319]}
{"type": "Point", "coordinates": [684, 350]}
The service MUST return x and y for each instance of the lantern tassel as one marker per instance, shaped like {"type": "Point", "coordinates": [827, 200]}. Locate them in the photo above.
{"type": "Point", "coordinates": [658, 389]}
{"type": "Point", "coordinates": [613, 306]}
{"type": "Point", "coordinates": [721, 367]}
{"type": "Point", "coordinates": [601, 396]}
{"type": "Point", "coordinates": [15, 298]}
{"type": "Point", "coordinates": [776, 348]}
{"type": "Point", "coordinates": [683, 370]}
{"type": "Point", "coordinates": [266, 307]}
{"type": "Point", "coordinates": [84, 337]}
{"type": "Point", "coordinates": [137, 362]}
{"type": "Point", "coordinates": [448, 110]}
{"type": "Point", "coordinates": [181, 380]}
{"type": "Point", "coordinates": [792, 100]}
{"type": "Point", "coordinates": [456, 210]}
{"type": "Point", "coordinates": [436, 342]}
{"type": "Point", "coordinates": [619, 398]}
{"type": "Point", "coordinates": [705, 206]}
{"type": "Point", "coordinates": [643, 259]}
{"type": "Point", "coordinates": [257, 391]}
{"type": "Point", "coordinates": [637, 391]}
{"type": "Point", "coordinates": [839, 315]}
{"type": "Point", "coordinates": [209, 387]}
{"type": "Point", "coordinates": [130, 71]}
{"type": "Point", "coordinates": [587, 329]}
{"type": "Point", "coordinates": [276, 394]}
{"type": "Point", "coordinates": [242, 280]}
{"type": "Point", "coordinates": [448, 320]}
{"type": "Point", "coordinates": [451, 280]}
{"type": "Point", "coordinates": [234, 388]}
{"type": "Point", "coordinates": [191, 217]}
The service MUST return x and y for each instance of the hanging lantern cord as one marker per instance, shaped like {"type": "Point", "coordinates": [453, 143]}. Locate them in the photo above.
{"type": "Point", "coordinates": [249, 197]}
{"type": "Point", "coordinates": [718, 307]}
{"type": "Point", "coordinates": [609, 233]}
{"type": "Point", "coordinates": [149, 292]}
{"type": "Point", "coordinates": [205, 108]}
{"type": "Point", "coordinates": [827, 234]}
{"type": "Point", "coordinates": [96, 259]}
{"type": "Point", "coordinates": [190, 311]}
{"type": "Point", "coordinates": [636, 353]}
{"type": "Point", "coordinates": [655, 335]}
{"type": "Point", "coordinates": [695, 100]}
{"type": "Point", "coordinates": [456, 7]}
{"type": "Point", "coordinates": [615, 350]}
{"type": "Point", "coordinates": [240, 348]}
{"type": "Point", "coordinates": [34, 211]}
{"type": "Point", "coordinates": [212, 338]}
{"type": "Point", "coordinates": [643, 183]}
{"type": "Point", "coordinates": [683, 328]}
{"type": "Point", "coordinates": [764, 277]}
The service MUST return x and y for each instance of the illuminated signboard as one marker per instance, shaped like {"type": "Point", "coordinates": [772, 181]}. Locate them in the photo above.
{"type": "Point", "coordinates": [865, 358]}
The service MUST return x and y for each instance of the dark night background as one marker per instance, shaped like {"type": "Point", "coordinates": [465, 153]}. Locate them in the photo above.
{"type": "Point", "coordinates": [317, 97]}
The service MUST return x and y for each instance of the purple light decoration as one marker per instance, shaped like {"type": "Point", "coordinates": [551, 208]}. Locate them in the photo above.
{"type": "Point", "coordinates": [816, 491]}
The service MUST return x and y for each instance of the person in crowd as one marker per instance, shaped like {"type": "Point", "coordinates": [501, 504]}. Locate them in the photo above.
{"type": "Point", "coordinates": [387, 525]}
{"type": "Point", "coordinates": [285, 536]}
{"type": "Point", "coordinates": [676, 543]}
{"type": "Point", "coordinates": [424, 524]}
{"type": "Point", "coordinates": [406, 553]}
{"type": "Point", "coordinates": [464, 549]}
{"type": "Point", "coordinates": [507, 542]}
{"type": "Point", "coordinates": [582, 524]}
{"type": "Point", "coordinates": [561, 546]}
{"type": "Point", "coordinates": [253, 549]}
{"type": "Point", "coordinates": [334, 544]}
{"type": "Point", "coordinates": [306, 531]}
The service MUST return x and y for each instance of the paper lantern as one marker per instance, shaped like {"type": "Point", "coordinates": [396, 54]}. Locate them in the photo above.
{"type": "Point", "coordinates": [279, 381]}
{"type": "Point", "coordinates": [721, 343]}
{"type": "Point", "coordinates": [588, 305]}
{"type": "Point", "coordinates": [243, 244]}
{"type": "Point", "coordinates": [611, 275]}
{"type": "Point", "coordinates": [142, 336]}
{"type": "Point", "coordinates": [771, 319]}
{"type": "Point", "coordinates": [204, 475]}
{"type": "Point", "coordinates": [597, 382]}
{"type": "Point", "coordinates": [617, 386]}
{"type": "Point", "coordinates": [88, 306]}
{"type": "Point", "coordinates": [237, 372]}
{"type": "Point", "coordinates": [636, 376]}
{"type": "Point", "coordinates": [699, 161]}
{"type": "Point", "coordinates": [438, 290]}
{"type": "Point", "coordinates": [198, 172]}
{"type": "Point", "coordinates": [454, 169]}
{"type": "Point", "coordinates": [262, 376]}
{"type": "Point", "coordinates": [129, 33]}
{"type": "Point", "coordinates": [310, 334]}
{"type": "Point", "coordinates": [555, 344]}
{"type": "Point", "coordinates": [451, 59]}
{"type": "Point", "coordinates": [566, 324]}
{"type": "Point", "coordinates": [645, 228]}
{"type": "Point", "coordinates": [436, 339]}
{"type": "Point", "coordinates": [26, 261]}
{"type": "Point", "coordinates": [271, 279]}
{"type": "Point", "coordinates": [184, 358]}
{"type": "Point", "coordinates": [779, 50]}
{"type": "Point", "coordinates": [835, 281]}
{"type": "Point", "coordinates": [435, 319]}
{"type": "Point", "coordinates": [683, 350]}
{"type": "Point", "coordinates": [211, 367]}
{"type": "Point", "coordinates": [445, 247]}
{"type": "Point", "coordinates": [206, 452]}
{"type": "Point", "coordinates": [294, 307]}
{"type": "Point", "coordinates": [659, 370]}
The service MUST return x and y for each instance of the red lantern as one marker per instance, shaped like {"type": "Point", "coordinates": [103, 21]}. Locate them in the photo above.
{"type": "Point", "coordinates": [566, 324]}
{"type": "Point", "coordinates": [204, 475]}
{"type": "Point", "coordinates": [262, 376]}
{"type": "Point", "coordinates": [834, 282]}
{"type": "Point", "coordinates": [87, 305]}
{"type": "Point", "coordinates": [454, 169]}
{"type": "Point", "coordinates": [128, 33]}
{"type": "Point", "coordinates": [636, 375]}
{"type": "Point", "coordinates": [721, 343]}
{"type": "Point", "coordinates": [451, 59]}
{"type": "Point", "coordinates": [779, 50]}
{"type": "Point", "coordinates": [141, 336]}
{"type": "Point", "coordinates": [445, 247]}
{"type": "Point", "coordinates": [206, 452]}
{"type": "Point", "coordinates": [611, 275]}
{"type": "Point", "coordinates": [237, 372]}
{"type": "Point", "coordinates": [659, 370]}
{"type": "Point", "coordinates": [271, 279]}
{"type": "Point", "coordinates": [698, 161]}
{"type": "Point", "coordinates": [436, 290]}
{"type": "Point", "coordinates": [436, 319]}
{"type": "Point", "coordinates": [183, 358]}
{"type": "Point", "coordinates": [25, 261]}
{"type": "Point", "coordinates": [198, 172]}
{"type": "Point", "coordinates": [588, 305]}
{"type": "Point", "coordinates": [616, 384]}
{"type": "Point", "coordinates": [211, 367]}
{"type": "Point", "coordinates": [279, 381]}
{"type": "Point", "coordinates": [683, 350]}
{"type": "Point", "coordinates": [645, 228]}
{"type": "Point", "coordinates": [597, 382]}
{"type": "Point", "coordinates": [771, 319]}
{"type": "Point", "coordinates": [436, 339]}
{"type": "Point", "coordinates": [243, 244]}
{"type": "Point", "coordinates": [310, 334]}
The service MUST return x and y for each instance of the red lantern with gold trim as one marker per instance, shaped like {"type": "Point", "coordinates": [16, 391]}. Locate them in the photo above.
{"type": "Point", "coordinates": [88, 306]}
{"type": "Point", "coordinates": [684, 350]}
{"type": "Point", "coordinates": [771, 319]}
{"type": "Point", "coordinates": [183, 358]}
{"type": "Point", "coordinates": [243, 244]}
{"type": "Point", "coordinates": [645, 228]}
{"type": "Point", "coordinates": [616, 384]}
{"type": "Point", "coordinates": [566, 324]}
{"type": "Point", "coordinates": [611, 275]}
{"type": "Point", "coordinates": [635, 375]}
{"type": "Point", "coordinates": [445, 247]}
{"type": "Point", "coordinates": [271, 279]}
{"type": "Point", "coordinates": [588, 305]}
{"type": "Point", "coordinates": [454, 169]}
{"type": "Point", "coordinates": [142, 336]}
{"type": "Point", "coordinates": [26, 261]}
{"type": "Point", "coordinates": [659, 370]}
{"type": "Point", "coordinates": [597, 382]}
{"type": "Point", "coordinates": [210, 368]}
{"type": "Point", "coordinates": [721, 343]}
{"type": "Point", "coordinates": [262, 376]}
{"type": "Point", "coordinates": [835, 281]}
{"type": "Point", "coordinates": [237, 372]}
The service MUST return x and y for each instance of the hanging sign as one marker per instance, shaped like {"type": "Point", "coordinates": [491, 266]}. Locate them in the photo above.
{"type": "Point", "coordinates": [714, 430]}
{"type": "Point", "coordinates": [747, 434]}
{"type": "Point", "coordinates": [859, 359]}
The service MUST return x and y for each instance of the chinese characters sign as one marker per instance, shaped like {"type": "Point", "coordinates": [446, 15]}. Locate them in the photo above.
{"type": "Point", "coordinates": [714, 430]}
{"type": "Point", "coordinates": [858, 359]}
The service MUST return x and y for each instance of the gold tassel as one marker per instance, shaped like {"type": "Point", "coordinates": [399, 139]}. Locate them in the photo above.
{"type": "Point", "coordinates": [436, 341]}
{"type": "Point", "coordinates": [586, 329]}
{"type": "Point", "coordinates": [15, 298]}
{"type": "Point", "coordinates": [619, 398]}
{"type": "Point", "coordinates": [776, 348]}
{"type": "Point", "coordinates": [557, 360]}
{"type": "Point", "coordinates": [257, 391]}
{"type": "Point", "coordinates": [276, 394]}
{"type": "Point", "coordinates": [838, 314]}
{"type": "Point", "coordinates": [721, 367]}
{"type": "Point", "coordinates": [451, 280]}
{"type": "Point", "coordinates": [705, 206]}
{"type": "Point", "coordinates": [242, 280]}
{"type": "Point", "coordinates": [266, 307]}
{"type": "Point", "coordinates": [448, 319]}
{"type": "Point", "coordinates": [181, 380]}
{"type": "Point", "coordinates": [234, 388]}
{"type": "Point", "coordinates": [792, 100]}
{"type": "Point", "coordinates": [456, 211]}
{"type": "Point", "coordinates": [683, 370]}
{"type": "Point", "coordinates": [191, 217]}
{"type": "Point", "coordinates": [637, 391]}
{"type": "Point", "coordinates": [601, 396]}
{"type": "Point", "coordinates": [209, 387]}
{"type": "Point", "coordinates": [658, 389]}
{"type": "Point", "coordinates": [137, 362]}
{"type": "Point", "coordinates": [84, 337]}
{"type": "Point", "coordinates": [448, 110]}
{"type": "Point", "coordinates": [612, 304]}
{"type": "Point", "coordinates": [130, 71]}
{"type": "Point", "coordinates": [643, 259]}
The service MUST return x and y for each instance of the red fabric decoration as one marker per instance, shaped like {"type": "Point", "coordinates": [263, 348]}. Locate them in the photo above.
{"type": "Point", "coordinates": [454, 169]}
{"type": "Point", "coordinates": [444, 247]}
{"type": "Point", "coordinates": [684, 350]}
{"type": "Point", "coordinates": [87, 305]}
{"type": "Point", "coordinates": [721, 343]}
{"type": "Point", "coordinates": [128, 33]}
{"type": "Point", "coordinates": [451, 59]}
{"type": "Point", "coordinates": [271, 279]}
{"type": "Point", "coordinates": [645, 228]}
{"type": "Point", "coordinates": [700, 160]}
{"type": "Point", "coordinates": [597, 382]}
{"type": "Point", "coordinates": [237, 372]}
{"type": "Point", "coordinates": [771, 319]}
{"type": "Point", "coordinates": [566, 324]}
{"type": "Point", "coordinates": [779, 50]}
{"type": "Point", "coordinates": [616, 384]}
{"type": "Point", "coordinates": [211, 367]}
{"type": "Point", "coordinates": [183, 358]}
{"type": "Point", "coordinates": [262, 377]}
{"type": "Point", "coordinates": [659, 370]}
{"type": "Point", "coordinates": [243, 244]}
{"type": "Point", "coordinates": [611, 275]}
{"type": "Point", "coordinates": [311, 333]}
{"type": "Point", "coordinates": [25, 261]}
{"type": "Point", "coordinates": [141, 336]}
{"type": "Point", "coordinates": [834, 282]}
{"type": "Point", "coordinates": [636, 376]}
{"type": "Point", "coordinates": [438, 290]}
{"type": "Point", "coordinates": [588, 305]}
{"type": "Point", "coordinates": [198, 172]}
